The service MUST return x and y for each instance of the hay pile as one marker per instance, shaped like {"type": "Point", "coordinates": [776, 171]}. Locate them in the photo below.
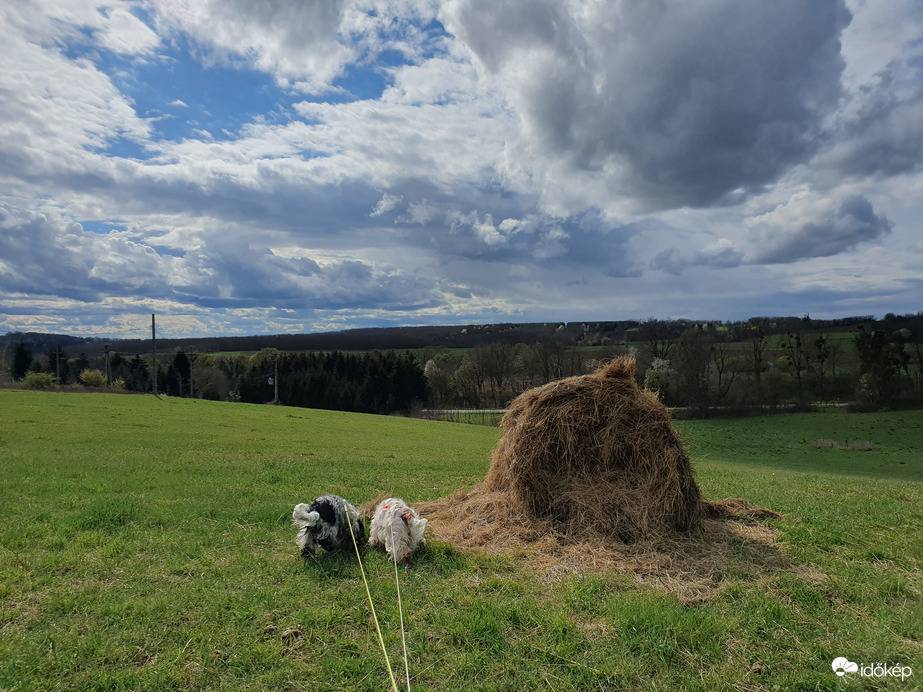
{"type": "Point", "coordinates": [597, 455]}
{"type": "Point", "coordinates": [590, 474]}
{"type": "Point", "coordinates": [585, 457]}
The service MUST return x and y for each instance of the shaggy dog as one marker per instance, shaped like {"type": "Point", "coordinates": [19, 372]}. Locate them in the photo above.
{"type": "Point", "coordinates": [325, 522]}
{"type": "Point", "coordinates": [397, 528]}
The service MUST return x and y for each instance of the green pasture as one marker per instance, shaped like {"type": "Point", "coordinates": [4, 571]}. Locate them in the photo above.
{"type": "Point", "coordinates": [145, 544]}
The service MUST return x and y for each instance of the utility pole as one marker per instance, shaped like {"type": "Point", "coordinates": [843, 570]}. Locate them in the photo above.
{"type": "Point", "coordinates": [154, 354]}
{"type": "Point", "coordinates": [275, 380]}
{"type": "Point", "coordinates": [108, 369]}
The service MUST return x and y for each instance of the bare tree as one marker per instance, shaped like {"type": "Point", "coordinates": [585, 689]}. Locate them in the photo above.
{"type": "Point", "coordinates": [694, 352]}
{"type": "Point", "coordinates": [659, 337]}
{"type": "Point", "coordinates": [794, 347]}
{"type": "Point", "coordinates": [759, 340]}
{"type": "Point", "coordinates": [725, 361]}
{"type": "Point", "coordinates": [821, 356]}
{"type": "Point", "coordinates": [497, 365]}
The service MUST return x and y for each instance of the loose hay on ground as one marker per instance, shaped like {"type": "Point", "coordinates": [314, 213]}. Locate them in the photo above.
{"type": "Point", "coordinates": [692, 567]}
{"type": "Point", "coordinates": [591, 475]}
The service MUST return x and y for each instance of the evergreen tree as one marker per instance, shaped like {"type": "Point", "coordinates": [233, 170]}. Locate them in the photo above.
{"type": "Point", "coordinates": [183, 370]}
{"type": "Point", "coordinates": [22, 361]}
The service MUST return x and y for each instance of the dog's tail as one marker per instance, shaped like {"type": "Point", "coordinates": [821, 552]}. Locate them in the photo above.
{"type": "Point", "coordinates": [303, 518]}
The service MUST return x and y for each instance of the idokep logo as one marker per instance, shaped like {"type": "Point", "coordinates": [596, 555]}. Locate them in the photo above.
{"type": "Point", "coordinates": [841, 666]}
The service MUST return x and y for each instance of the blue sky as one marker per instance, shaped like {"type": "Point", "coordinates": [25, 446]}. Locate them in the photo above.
{"type": "Point", "coordinates": [297, 166]}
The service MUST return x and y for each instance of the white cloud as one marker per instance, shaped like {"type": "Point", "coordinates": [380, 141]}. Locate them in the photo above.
{"type": "Point", "coordinates": [296, 42]}
{"type": "Point", "coordinates": [56, 112]}
{"type": "Point", "coordinates": [124, 33]}
{"type": "Point", "coordinates": [386, 204]}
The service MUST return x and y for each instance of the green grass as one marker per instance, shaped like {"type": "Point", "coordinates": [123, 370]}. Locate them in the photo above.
{"type": "Point", "coordinates": [145, 544]}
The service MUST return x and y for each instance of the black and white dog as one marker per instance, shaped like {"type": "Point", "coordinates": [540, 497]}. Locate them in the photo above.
{"type": "Point", "coordinates": [325, 523]}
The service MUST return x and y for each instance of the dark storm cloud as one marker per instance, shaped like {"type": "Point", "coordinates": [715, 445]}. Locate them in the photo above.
{"type": "Point", "coordinates": [885, 137]}
{"type": "Point", "coordinates": [235, 274]}
{"type": "Point", "coordinates": [722, 255]}
{"type": "Point", "coordinates": [794, 234]}
{"type": "Point", "coordinates": [651, 88]}
{"type": "Point", "coordinates": [49, 255]}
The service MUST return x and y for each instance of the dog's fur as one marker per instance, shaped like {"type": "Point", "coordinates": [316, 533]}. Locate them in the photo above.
{"type": "Point", "coordinates": [325, 522]}
{"type": "Point", "coordinates": [397, 528]}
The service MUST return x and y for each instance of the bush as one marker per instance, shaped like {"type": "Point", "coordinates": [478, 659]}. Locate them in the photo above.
{"type": "Point", "coordinates": [92, 378]}
{"type": "Point", "coordinates": [660, 378]}
{"type": "Point", "coordinates": [39, 380]}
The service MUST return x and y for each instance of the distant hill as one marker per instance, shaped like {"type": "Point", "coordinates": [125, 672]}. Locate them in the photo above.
{"type": "Point", "coordinates": [42, 343]}
{"type": "Point", "coordinates": [393, 338]}
{"type": "Point", "coordinates": [453, 336]}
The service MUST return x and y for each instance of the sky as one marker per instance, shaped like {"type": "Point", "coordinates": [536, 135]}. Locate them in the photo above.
{"type": "Point", "coordinates": [283, 166]}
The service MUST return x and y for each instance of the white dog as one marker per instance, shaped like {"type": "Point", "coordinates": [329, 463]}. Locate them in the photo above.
{"type": "Point", "coordinates": [397, 528]}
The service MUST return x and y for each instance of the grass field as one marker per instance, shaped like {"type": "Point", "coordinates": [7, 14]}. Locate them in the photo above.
{"type": "Point", "coordinates": [145, 544]}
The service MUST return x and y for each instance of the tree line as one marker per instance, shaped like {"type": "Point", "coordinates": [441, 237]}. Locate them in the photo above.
{"type": "Point", "coordinates": [708, 367]}
{"type": "Point", "coordinates": [372, 382]}
{"type": "Point", "coordinates": [702, 367]}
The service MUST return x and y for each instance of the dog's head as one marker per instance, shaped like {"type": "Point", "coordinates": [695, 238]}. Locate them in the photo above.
{"type": "Point", "coordinates": [415, 524]}
{"type": "Point", "coordinates": [309, 518]}
{"type": "Point", "coordinates": [326, 522]}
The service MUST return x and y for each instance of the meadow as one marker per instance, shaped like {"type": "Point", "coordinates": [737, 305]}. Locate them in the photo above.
{"type": "Point", "coordinates": [146, 544]}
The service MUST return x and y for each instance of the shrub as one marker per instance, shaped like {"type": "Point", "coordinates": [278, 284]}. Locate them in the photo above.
{"type": "Point", "coordinates": [92, 378]}
{"type": "Point", "coordinates": [39, 380]}
{"type": "Point", "coordinates": [660, 378]}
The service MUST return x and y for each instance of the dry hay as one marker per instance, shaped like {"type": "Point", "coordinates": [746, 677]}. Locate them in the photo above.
{"type": "Point", "coordinates": [597, 455]}
{"type": "Point", "coordinates": [692, 567]}
{"type": "Point", "coordinates": [590, 474]}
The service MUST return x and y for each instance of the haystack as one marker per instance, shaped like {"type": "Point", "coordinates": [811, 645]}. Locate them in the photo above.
{"type": "Point", "coordinates": [597, 455]}
{"type": "Point", "coordinates": [585, 457]}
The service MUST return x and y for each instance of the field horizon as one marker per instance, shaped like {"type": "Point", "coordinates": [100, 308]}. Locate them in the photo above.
{"type": "Point", "coordinates": [146, 544]}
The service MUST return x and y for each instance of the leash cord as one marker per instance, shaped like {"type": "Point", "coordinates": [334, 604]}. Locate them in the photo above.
{"type": "Point", "coordinates": [368, 593]}
{"type": "Point", "coordinates": [400, 611]}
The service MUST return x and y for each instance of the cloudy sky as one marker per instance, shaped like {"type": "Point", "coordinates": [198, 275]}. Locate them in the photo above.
{"type": "Point", "coordinates": [242, 167]}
